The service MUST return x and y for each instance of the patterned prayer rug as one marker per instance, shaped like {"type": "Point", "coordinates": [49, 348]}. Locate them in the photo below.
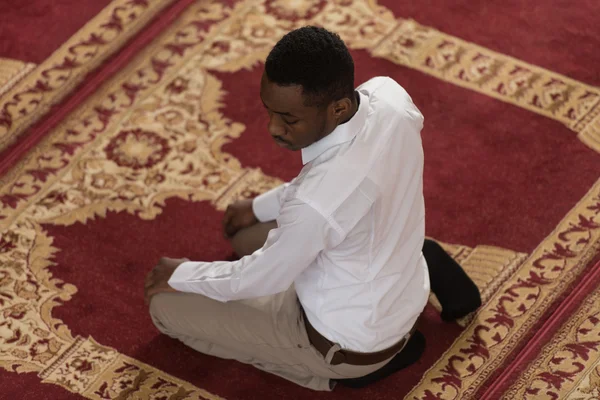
{"type": "Point", "coordinates": [48, 48]}
{"type": "Point", "coordinates": [563, 360]}
{"type": "Point", "coordinates": [148, 152]}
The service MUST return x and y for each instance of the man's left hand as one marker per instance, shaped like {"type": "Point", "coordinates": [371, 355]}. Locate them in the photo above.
{"type": "Point", "coordinates": [157, 280]}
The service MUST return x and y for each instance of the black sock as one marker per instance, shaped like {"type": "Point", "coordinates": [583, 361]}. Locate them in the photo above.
{"type": "Point", "coordinates": [410, 354]}
{"type": "Point", "coordinates": [456, 292]}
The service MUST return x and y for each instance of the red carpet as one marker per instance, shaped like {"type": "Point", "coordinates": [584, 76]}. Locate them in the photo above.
{"type": "Point", "coordinates": [33, 30]}
{"type": "Point", "coordinates": [563, 352]}
{"type": "Point", "coordinates": [558, 35]}
{"type": "Point", "coordinates": [68, 40]}
{"type": "Point", "coordinates": [185, 106]}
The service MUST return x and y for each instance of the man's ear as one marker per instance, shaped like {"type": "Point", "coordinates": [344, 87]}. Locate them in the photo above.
{"type": "Point", "coordinates": [341, 107]}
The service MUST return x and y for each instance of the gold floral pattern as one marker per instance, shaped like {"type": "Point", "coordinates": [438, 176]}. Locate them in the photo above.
{"type": "Point", "coordinates": [516, 305]}
{"type": "Point", "coordinates": [496, 75]}
{"type": "Point", "coordinates": [589, 129]}
{"type": "Point", "coordinates": [11, 72]}
{"type": "Point", "coordinates": [29, 94]}
{"type": "Point", "coordinates": [131, 167]}
{"type": "Point", "coordinates": [137, 149]}
{"type": "Point", "coordinates": [590, 386]}
{"type": "Point", "coordinates": [569, 365]}
{"type": "Point", "coordinates": [98, 372]}
{"type": "Point", "coordinates": [363, 24]}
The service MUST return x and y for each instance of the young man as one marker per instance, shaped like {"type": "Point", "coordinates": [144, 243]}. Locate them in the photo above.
{"type": "Point", "coordinates": [332, 278]}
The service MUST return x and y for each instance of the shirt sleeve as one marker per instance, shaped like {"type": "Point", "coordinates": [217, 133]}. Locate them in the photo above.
{"type": "Point", "coordinates": [266, 207]}
{"type": "Point", "coordinates": [302, 233]}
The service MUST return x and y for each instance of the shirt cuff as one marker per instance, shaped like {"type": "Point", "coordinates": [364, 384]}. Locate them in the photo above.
{"type": "Point", "coordinates": [266, 207]}
{"type": "Point", "coordinates": [179, 278]}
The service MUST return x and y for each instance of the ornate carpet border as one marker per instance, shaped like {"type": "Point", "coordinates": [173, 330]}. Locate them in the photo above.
{"type": "Point", "coordinates": [501, 323]}
{"type": "Point", "coordinates": [404, 42]}
{"type": "Point", "coordinates": [11, 72]}
{"type": "Point", "coordinates": [47, 162]}
{"type": "Point", "coordinates": [106, 374]}
{"type": "Point", "coordinates": [53, 79]}
{"type": "Point", "coordinates": [568, 361]}
{"type": "Point", "coordinates": [77, 364]}
{"type": "Point", "coordinates": [493, 74]}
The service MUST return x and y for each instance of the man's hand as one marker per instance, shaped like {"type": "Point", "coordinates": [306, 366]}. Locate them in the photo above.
{"type": "Point", "coordinates": [157, 279]}
{"type": "Point", "coordinates": [239, 215]}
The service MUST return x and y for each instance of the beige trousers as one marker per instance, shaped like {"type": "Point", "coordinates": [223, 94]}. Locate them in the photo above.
{"type": "Point", "coordinates": [266, 332]}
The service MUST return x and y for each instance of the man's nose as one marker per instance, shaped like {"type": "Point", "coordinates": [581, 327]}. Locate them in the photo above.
{"type": "Point", "coordinates": [275, 127]}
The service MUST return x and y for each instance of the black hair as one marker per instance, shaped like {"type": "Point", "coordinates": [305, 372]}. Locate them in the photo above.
{"type": "Point", "coordinates": [316, 59]}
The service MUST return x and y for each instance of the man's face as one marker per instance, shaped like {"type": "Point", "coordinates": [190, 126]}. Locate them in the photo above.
{"type": "Point", "coordinates": [292, 124]}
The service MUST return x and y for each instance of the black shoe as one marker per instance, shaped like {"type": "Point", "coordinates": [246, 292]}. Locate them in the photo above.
{"type": "Point", "coordinates": [410, 354]}
{"type": "Point", "coordinates": [456, 292]}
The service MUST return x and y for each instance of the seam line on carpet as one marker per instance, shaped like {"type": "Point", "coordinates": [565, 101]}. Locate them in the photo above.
{"type": "Point", "coordinates": [588, 281]}
{"type": "Point", "coordinates": [66, 354]}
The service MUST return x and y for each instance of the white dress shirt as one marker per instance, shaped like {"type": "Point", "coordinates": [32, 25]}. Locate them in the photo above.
{"type": "Point", "coordinates": [350, 230]}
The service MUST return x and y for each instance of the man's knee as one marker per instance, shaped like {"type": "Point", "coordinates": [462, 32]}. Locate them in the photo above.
{"type": "Point", "coordinates": [158, 311]}
{"type": "Point", "coordinates": [248, 240]}
{"type": "Point", "coordinates": [241, 245]}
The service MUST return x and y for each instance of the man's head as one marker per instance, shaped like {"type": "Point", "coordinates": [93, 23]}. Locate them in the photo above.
{"type": "Point", "coordinates": [307, 86]}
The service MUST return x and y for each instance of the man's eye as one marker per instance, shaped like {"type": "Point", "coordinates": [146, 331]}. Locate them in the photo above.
{"type": "Point", "coordinates": [290, 122]}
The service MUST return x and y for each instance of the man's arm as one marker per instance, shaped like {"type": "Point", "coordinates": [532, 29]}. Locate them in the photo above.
{"type": "Point", "coordinates": [301, 234]}
{"type": "Point", "coordinates": [266, 207]}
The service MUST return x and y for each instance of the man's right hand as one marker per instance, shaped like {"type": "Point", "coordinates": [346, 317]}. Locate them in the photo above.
{"type": "Point", "coordinates": [238, 216]}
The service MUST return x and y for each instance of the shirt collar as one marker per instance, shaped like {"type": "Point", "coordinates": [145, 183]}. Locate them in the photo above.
{"type": "Point", "coordinates": [341, 134]}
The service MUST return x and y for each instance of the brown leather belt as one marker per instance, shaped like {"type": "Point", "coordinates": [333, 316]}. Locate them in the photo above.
{"type": "Point", "coordinates": [342, 356]}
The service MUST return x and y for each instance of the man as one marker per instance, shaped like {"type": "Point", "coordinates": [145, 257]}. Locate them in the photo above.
{"type": "Point", "coordinates": [332, 278]}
